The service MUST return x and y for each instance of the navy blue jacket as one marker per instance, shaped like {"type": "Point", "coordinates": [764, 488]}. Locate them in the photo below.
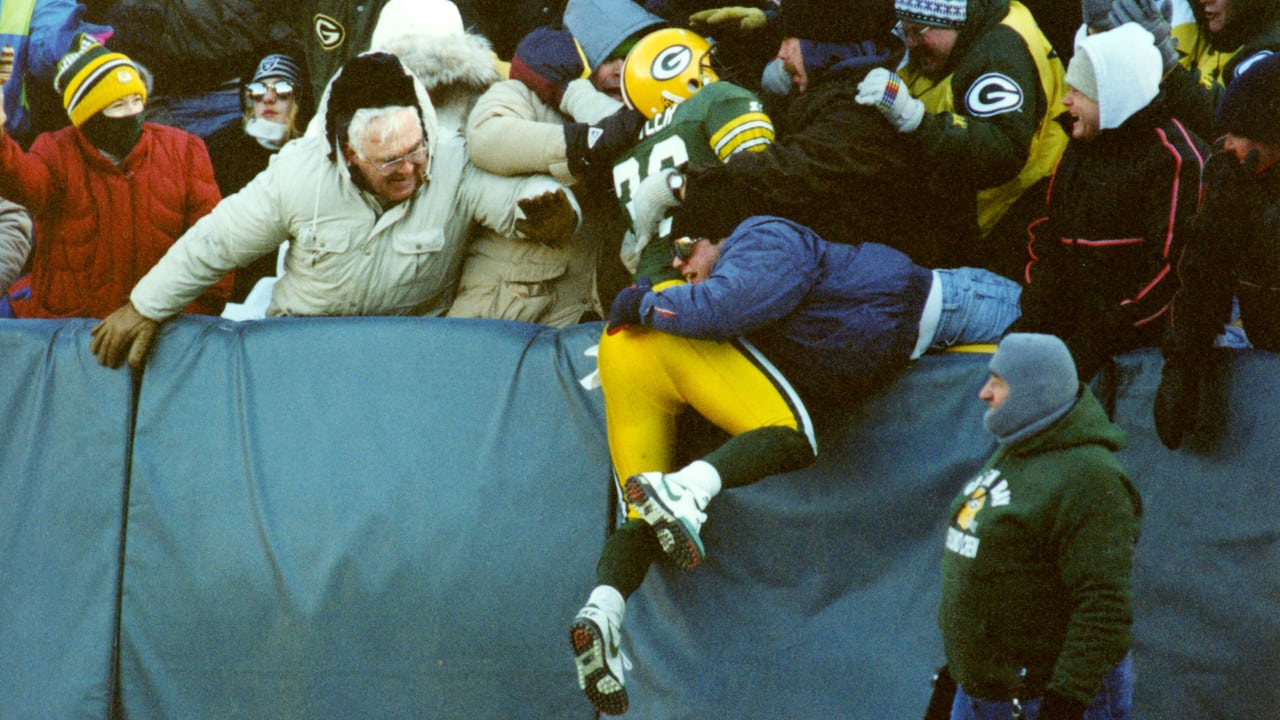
{"type": "Point", "coordinates": [832, 317]}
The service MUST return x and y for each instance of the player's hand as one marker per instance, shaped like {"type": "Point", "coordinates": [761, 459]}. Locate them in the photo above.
{"type": "Point", "coordinates": [549, 218]}
{"type": "Point", "coordinates": [595, 147]}
{"type": "Point", "coordinates": [125, 332]}
{"type": "Point", "coordinates": [886, 92]}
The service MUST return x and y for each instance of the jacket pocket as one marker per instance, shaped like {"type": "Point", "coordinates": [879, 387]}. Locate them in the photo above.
{"type": "Point", "coordinates": [523, 291]}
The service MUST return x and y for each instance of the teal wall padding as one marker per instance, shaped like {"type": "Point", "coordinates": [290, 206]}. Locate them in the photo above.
{"type": "Point", "coordinates": [361, 519]}
{"type": "Point", "coordinates": [63, 451]}
{"type": "Point", "coordinates": [398, 518]}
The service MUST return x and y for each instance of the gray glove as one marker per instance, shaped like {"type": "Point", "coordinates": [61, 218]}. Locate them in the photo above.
{"type": "Point", "coordinates": [1154, 19]}
{"type": "Point", "coordinates": [1097, 14]}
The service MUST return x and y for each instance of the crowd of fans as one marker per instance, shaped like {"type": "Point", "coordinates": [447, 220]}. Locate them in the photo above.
{"type": "Point", "coordinates": [1108, 174]}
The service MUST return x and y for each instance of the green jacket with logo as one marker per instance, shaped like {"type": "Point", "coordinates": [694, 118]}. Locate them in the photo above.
{"type": "Point", "coordinates": [1036, 588]}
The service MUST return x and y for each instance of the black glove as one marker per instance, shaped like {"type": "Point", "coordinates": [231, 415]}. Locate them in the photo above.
{"type": "Point", "coordinates": [1233, 198]}
{"type": "Point", "coordinates": [1177, 404]}
{"type": "Point", "coordinates": [594, 147]}
{"type": "Point", "coordinates": [944, 695]}
{"type": "Point", "coordinates": [547, 60]}
{"type": "Point", "coordinates": [1057, 707]}
{"type": "Point", "coordinates": [626, 305]}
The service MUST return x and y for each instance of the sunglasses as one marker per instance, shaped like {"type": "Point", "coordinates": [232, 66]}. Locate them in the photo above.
{"type": "Point", "coordinates": [257, 91]}
{"type": "Point", "coordinates": [682, 247]}
{"type": "Point", "coordinates": [416, 156]}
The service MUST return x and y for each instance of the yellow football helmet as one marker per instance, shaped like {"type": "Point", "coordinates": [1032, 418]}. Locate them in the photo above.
{"type": "Point", "coordinates": [664, 68]}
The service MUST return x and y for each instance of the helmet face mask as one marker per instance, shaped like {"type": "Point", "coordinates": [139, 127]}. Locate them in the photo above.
{"type": "Point", "coordinates": [665, 68]}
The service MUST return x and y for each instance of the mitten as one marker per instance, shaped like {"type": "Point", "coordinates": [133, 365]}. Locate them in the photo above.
{"type": "Point", "coordinates": [1177, 404]}
{"type": "Point", "coordinates": [625, 309]}
{"type": "Point", "coordinates": [1057, 707]}
{"type": "Point", "coordinates": [592, 147]}
{"type": "Point", "coordinates": [1154, 19]}
{"type": "Point", "coordinates": [944, 694]}
{"type": "Point", "coordinates": [885, 91]}
{"type": "Point", "coordinates": [549, 218]}
{"type": "Point", "coordinates": [730, 18]}
{"type": "Point", "coordinates": [546, 60]}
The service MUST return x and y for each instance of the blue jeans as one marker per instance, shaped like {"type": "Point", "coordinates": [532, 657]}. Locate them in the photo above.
{"type": "Point", "coordinates": [977, 307]}
{"type": "Point", "coordinates": [1113, 702]}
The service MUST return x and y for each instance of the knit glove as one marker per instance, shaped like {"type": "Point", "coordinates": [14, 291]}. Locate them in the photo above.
{"type": "Point", "coordinates": [885, 91]}
{"type": "Point", "coordinates": [1154, 19]}
{"type": "Point", "coordinates": [546, 60]}
{"type": "Point", "coordinates": [594, 147]}
{"type": "Point", "coordinates": [1057, 707]}
{"type": "Point", "coordinates": [729, 18]}
{"type": "Point", "coordinates": [944, 694]}
{"type": "Point", "coordinates": [1177, 404]}
{"type": "Point", "coordinates": [653, 202]}
{"type": "Point", "coordinates": [549, 218]}
{"type": "Point", "coordinates": [625, 309]}
{"type": "Point", "coordinates": [1097, 14]}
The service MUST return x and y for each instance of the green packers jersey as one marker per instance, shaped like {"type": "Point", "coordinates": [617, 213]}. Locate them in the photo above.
{"type": "Point", "coordinates": [719, 120]}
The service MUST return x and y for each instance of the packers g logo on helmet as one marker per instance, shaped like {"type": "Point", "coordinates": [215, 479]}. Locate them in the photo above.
{"type": "Point", "coordinates": [664, 68]}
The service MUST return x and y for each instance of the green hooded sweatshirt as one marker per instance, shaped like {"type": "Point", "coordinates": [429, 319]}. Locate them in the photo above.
{"type": "Point", "coordinates": [1036, 590]}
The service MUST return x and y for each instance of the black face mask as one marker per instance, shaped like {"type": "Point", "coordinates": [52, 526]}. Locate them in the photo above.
{"type": "Point", "coordinates": [117, 136]}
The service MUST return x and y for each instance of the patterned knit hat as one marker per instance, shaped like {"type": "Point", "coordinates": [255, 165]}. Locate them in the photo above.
{"type": "Point", "coordinates": [1250, 107]}
{"type": "Point", "coordinates": [281, 66]}
{"type": "Point", "coordinates": [938, 13]}
{"type": "Point", "coordinates": [91, 77]}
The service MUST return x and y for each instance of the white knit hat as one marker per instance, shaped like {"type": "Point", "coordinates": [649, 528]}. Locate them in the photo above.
{"type": "Point", "coordinates": [421, 18]}
{"type": "Point", "coordinates": [1126, 71]}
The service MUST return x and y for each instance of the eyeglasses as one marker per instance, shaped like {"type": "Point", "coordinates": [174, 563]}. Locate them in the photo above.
{"type": "Point", "coordinates": [416, 156]}
{"type": "Point", "coordinates": [257, 90]}
{"type": "Point", "coordinates": [682, 247]}
{"type": "Point", "coordinates": [911, 31]}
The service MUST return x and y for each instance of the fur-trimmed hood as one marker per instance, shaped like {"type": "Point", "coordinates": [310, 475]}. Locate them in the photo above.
{"type": "Point", "coordinates": [455, 69]}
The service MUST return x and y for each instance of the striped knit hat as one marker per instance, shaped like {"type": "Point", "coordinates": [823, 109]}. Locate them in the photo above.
{"type": "Point", "coordinates": [91, 77]}
{"type": "Point", "coordinates": [939, 13]}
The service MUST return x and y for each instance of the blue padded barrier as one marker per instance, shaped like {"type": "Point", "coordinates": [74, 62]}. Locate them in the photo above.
{"type": "Point", "coordinates": [392, 517]}
{"type": "Point", "coordinates": [62, 482]}
{"type": "Point", "coordinates": [368, 518]}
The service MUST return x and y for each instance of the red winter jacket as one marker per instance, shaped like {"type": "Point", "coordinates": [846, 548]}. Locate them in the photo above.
{"type": "Point", "coordinates": [99, 227]}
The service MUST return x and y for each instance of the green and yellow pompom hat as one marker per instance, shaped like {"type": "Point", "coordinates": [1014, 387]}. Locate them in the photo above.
{"type": "Point", "coordinates": [91, 77]}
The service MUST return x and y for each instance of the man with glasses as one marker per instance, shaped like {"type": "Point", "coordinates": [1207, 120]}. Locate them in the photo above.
{"type": "Point", "coordinates": [378, 211]}
{"type": "Point", "coordinates": [978, 95]}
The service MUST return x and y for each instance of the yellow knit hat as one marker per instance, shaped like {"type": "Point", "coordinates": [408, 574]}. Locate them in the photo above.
{"type": "Point", "coordinates": [91, 77]}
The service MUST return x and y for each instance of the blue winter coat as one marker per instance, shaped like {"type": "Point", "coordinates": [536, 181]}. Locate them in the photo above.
{"type": "Point", "coordinates": [834, 318]}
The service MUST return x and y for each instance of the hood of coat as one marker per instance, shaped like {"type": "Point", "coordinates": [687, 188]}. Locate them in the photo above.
{"type": "Point", "coordinates": [430, 124]}
{"type": "Point", "coordinates": [464, 61]}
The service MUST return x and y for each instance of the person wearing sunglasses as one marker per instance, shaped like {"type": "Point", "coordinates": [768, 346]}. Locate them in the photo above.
{"type": "Point", "coordinates": [377, 211]}
{"type": "Point", "coordinates": [277, 107]}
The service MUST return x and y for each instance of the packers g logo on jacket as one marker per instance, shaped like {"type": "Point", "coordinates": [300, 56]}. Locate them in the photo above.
{"type": "Point", "coordinates": [993, 94]}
